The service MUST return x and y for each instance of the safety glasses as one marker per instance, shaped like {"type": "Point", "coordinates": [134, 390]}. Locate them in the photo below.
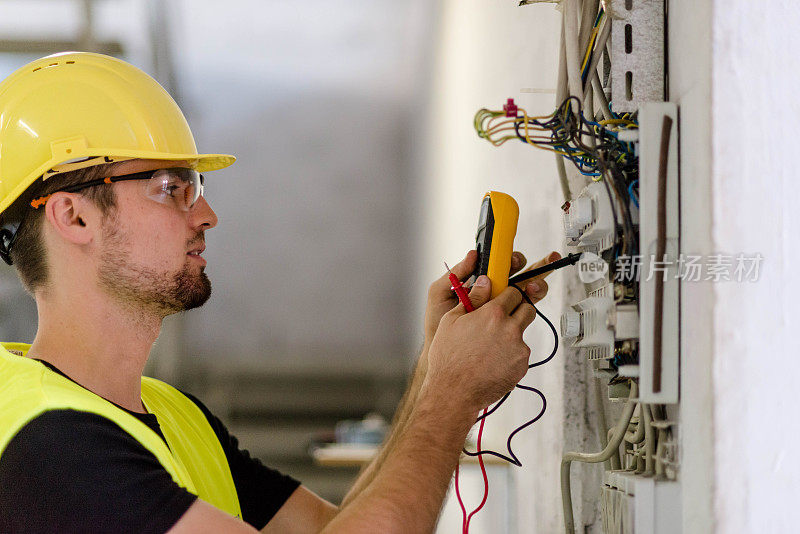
{"type": "Point", "coordinates": [177, 187]}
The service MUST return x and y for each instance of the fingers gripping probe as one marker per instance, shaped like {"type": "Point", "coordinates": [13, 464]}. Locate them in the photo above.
{"type": "Point", "coordinates": [463, 297]}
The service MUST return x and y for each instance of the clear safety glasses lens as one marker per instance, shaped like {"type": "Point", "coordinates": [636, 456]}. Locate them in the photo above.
{"type": "Point", "coordinates": [176, 187]}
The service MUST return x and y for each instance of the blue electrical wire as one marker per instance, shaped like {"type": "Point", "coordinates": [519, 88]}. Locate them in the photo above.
{"type": "Point", "coordinates": [633, 195]}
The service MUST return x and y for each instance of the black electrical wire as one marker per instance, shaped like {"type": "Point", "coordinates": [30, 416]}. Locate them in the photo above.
{"type": "Point", "coordinates": [568, 125]}
{"type": "Point", "coordinates": [511, 457]}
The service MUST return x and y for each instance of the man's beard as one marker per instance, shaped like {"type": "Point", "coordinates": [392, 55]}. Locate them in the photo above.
{"type": "Point", "coordinates": [140, 287]}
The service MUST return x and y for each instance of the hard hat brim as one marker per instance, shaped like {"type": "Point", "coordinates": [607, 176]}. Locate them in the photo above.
{"type": "Point", "coordinates": [199, 162]}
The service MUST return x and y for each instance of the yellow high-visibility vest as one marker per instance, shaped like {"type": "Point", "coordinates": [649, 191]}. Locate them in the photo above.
{"type": "Point", "coordinates": [195, 458]}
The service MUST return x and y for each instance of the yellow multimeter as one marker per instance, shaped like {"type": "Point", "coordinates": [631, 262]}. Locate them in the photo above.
{"type": "Point", "coordinates": [497, 227]}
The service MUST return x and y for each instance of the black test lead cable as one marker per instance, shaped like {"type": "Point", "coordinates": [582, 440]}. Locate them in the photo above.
{"type": "Point", "coordinates": [571, 259]}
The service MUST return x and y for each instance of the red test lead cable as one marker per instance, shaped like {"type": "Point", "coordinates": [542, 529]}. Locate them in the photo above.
{"type": "Point", "coordinates": [463, 297]}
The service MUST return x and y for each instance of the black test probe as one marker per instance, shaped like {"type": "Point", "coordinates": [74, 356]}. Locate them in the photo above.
{"type": "Point", "coordinates": [571, 259]}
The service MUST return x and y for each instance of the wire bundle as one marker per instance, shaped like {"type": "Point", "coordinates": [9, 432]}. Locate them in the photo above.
{"type": "Point", "coordinates": [563, 132]}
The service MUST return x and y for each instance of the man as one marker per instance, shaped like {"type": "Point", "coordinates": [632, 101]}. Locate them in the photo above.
{"type": "Point", "coordinates": [104, 218]}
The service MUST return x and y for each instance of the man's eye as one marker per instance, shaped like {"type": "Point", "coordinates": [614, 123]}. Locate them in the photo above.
{"type": "Point", "coordinates": [170, 189]}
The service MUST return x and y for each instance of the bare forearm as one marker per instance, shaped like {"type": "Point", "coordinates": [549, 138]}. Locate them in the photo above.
{"type": "Point", "coordinates": [399, 423]}
{"type": "Point", "coordinates": [406, 493]}
{"type": "Point", "coordinates": [473, 358]}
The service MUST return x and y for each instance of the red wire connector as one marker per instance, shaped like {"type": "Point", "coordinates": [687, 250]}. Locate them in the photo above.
{"type": "Point", "coordinates": [458, 287]}
{"type": "Point", "coordinates": [510, 108]}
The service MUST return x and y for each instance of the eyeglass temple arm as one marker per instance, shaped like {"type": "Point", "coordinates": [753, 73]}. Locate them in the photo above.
{"type": "Point", "coordinates": [36, 203]}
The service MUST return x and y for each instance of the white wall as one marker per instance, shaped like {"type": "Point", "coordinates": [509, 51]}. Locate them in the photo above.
{"type": "Point", "coordinates": [756, 375]}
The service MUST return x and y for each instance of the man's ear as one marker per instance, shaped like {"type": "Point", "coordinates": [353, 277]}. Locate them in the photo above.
{"type": "Point", "coordinates": [72, 216]}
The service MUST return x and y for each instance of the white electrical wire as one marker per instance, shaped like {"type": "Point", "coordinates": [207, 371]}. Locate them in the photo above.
{"type": "Point", "coordinates": [639, 460]}
{"type": "Point", "coordinates": [599, 46]}
{"type": "Point", "coordinates": [561, 85]}
{"type": "Point", "coordinates": [613, 444]}
{"type": "Point", "coordinates": [657, 421]}
{"type": "Point", "coordinates": [593, 79]}
{"type": "Point", "coordinates": [588, 106]}
{"type": "Point", "coordinates": [659, 453]}
{"type": "Point", "coordinates": [572, 45]}
{"type": "Point", "coordinates": [601, 95]}
{"type": "Point", "coordinates": [602, 424]}
{"type": "Point", "coordinates": [588, 16]}
{"type": "Point", "coordinates": [649, 440]}
{"type": "Point", "coordinates": [616, 462]}
{"type": "Point", "coordinates": [636, 436]}
{"type": "Point", "coordinates": [561, 95]}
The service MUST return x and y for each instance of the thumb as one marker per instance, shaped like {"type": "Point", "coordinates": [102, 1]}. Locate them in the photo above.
{"type": "Point", "coordinates": [481, 291]}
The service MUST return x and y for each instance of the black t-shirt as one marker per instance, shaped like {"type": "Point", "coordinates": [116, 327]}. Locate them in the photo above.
{"type": "Point", "coordinates": [68, 471]}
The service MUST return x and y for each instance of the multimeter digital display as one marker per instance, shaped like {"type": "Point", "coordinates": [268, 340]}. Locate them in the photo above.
{"type": "Point", "coordinates": [494, 240]}
{"type": "Point", "coordinates": [483, 238]}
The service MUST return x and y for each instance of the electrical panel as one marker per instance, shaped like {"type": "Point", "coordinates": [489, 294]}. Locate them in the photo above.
{"type": "Point", "coordinates": [626, 326]}
{"type": "Point", "coordinates": [615, 327]}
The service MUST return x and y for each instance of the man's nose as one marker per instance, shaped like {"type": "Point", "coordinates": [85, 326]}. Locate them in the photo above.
{"type": "Point", "coordinates": [201, 216]}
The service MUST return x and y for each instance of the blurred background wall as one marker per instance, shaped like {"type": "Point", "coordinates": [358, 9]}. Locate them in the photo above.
{"type": "Point", "coordinates": [310, 320]}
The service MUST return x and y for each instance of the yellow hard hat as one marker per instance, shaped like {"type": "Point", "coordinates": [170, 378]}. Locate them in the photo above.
{"type": "Point", "coordinates": [78, 109]}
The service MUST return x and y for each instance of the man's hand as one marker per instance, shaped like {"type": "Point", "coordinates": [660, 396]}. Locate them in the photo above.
{"type": "Point", "coordinates": [441, 299]}
{"type": "Point", "coordinates": [536, 287]}
{"type": "Point", "coordinates": [478, 357]}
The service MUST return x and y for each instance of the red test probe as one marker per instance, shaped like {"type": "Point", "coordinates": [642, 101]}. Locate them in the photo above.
{"type": "Point", "coordinates": [458, 287]}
